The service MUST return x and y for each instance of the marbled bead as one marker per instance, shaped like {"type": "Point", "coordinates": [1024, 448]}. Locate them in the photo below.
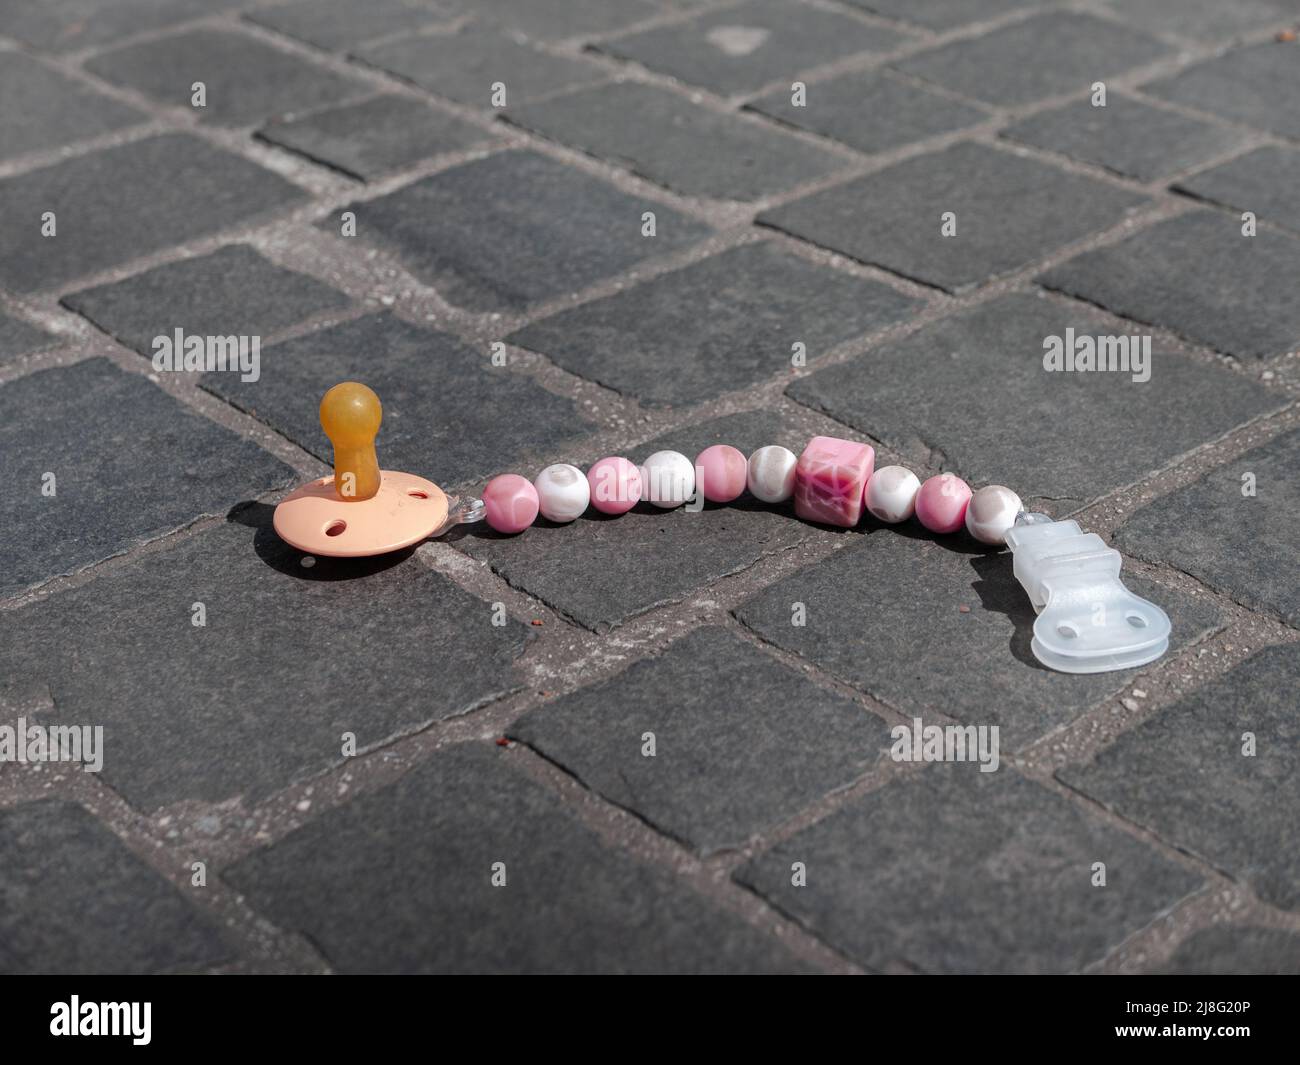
{"type": "Point", "coordinates": [615, 485]}
{"type": "Point", "coordinates": [891, 493]}
{"type": "Point", "coordinates": [721, 472]}
{"type": "Point", "coordinates": [562, 492]}
{"type": "Point", "coordinates": [941, 503]}
{"type": "Point", "coordinates": [668, 479]}
{"type": "Point", "coordinates": [510, 503]}
{"type": "Point", "coordinates": [771, 473]}
{"type": "Point", "coordinates": [830, 479]}
{"type": "Point", "coordinates": [992, 511]}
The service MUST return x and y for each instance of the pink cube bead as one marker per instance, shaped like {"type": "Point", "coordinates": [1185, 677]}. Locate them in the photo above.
{"type": "Point", "coordinates": [941, 503]}
{"type": "Point", "coordinates": [720, 473]}
{"type": "Point", "coordinates": [830, 479]}
{"type": "Point", "coordinates": [510, 502]}
{"type": "Point", "coordinates": [615, 485]}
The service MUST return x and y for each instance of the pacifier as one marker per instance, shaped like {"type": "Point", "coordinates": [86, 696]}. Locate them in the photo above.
{"type": "Point", "coordinates": [1088, 622]}
{"type": "Point", "coordinates": [362, 510]}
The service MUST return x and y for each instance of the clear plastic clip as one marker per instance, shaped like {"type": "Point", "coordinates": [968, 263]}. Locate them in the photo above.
{"type": "Point", "coordinates": [1088, 622]}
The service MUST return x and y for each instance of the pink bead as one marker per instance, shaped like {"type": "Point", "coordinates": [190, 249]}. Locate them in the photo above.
{"type": "Point", "coordinates": [615, 485]}
{"type": "Point", "coordinates": [830, 479]}
{"type": "Point", "coordinates": [510, 502]}
{"type": "Point", "coordinates": [720, 473]}
{"type": "Point", "coordinates": [941, 503]}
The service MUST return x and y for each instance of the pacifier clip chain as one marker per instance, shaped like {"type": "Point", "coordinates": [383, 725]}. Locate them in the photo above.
{"type": "Point", "coordinates": [1088, 621]}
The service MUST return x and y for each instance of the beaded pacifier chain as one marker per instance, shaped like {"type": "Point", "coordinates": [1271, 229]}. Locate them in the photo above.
{"type": "Point", "coordinates": [1088, 621]}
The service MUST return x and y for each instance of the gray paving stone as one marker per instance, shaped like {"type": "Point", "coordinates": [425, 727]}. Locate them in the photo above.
{"type": "Point", "coordinates": [289, 660]}
{"type": "Point", "coordinates": [341, 24]}
{"type": "Point", "coordinates": [26, 697]}
{"type": "Point", "coordinates": [714, 326]}
{"type": "Point", "coordinates": [1126, 136]}
{"type": "Point", "coordinates": [18, 338]}
{"type": "Point", "coordinates": [517, 228]}
{"type": "Point", "coordinates": [599, 571]}
{"type": "Point", "coordinates": [59, 860]}
{"type": "Point", "coordinates": [557, 19]}
{"type": "Point", "coordinates": [448, 414]}
{"type": "Point", "coordinates": [1183, 775]}
{"type": "Point", "coordinates": [1242, 546]}
{"type": "Point", "coordinates": [923, 655]}
{"type": "Point", "coordinates": [246, 80]}
{"type": "Point", "coordinates": [45, 109]}
{"type": "Point", "coordinates": [1244, 306]}
{"type": "Point", "coordinates": [1254, 85]}
{"type": "Point", "coordinates": [1011, 66]}
{"type": "Point", "coordinates": [742, 741]}
{"type": "Point", "coordinates": [956, 871]}
{"type": "Point", "coordinates": [741, 49]}
{"type": "Point", "coordinates": [371, 138]}
{"type": "Point", "coordinates": [114, 205]}
{"type": "Point", "coordinates": [1262, 181]}
{"type": "Point", "coordinates": [970, 392]}
{"type": "Point", "coordinates": [464, 66]}
{"type": "Point", "coordinates": [870, 110]}
{"type": "Point", "coordinates": [130, 464]}
{"type": "Point", "coordinates": [415, 862]}
{"type": "Point", "coordinates": [1206, 20]}
{"type": "Point", "coordinates": [1237, 950]}
{"type": "Point", "coordinates": [67, 25]}
{"type": "Point", "coordinates": [232, 291]}
{"type": "Point", "coordinates": [1008, 212]}
{"type": "Point", "coordinates": [676, 143]}
{"type": "Point", "coordinates": [941, 15]}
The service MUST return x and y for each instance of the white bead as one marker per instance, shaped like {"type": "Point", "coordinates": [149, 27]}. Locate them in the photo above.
{"type": "Point", "coordinates": [991, 513]}
{"type": "Point", "coordinates": [667, 479]}
{"type": "Point", "coordinates": [562, 492]}
{"type": "Point", "coordinates": [771, 473]}
{"type": "Point", "coordinates": [891, 493]}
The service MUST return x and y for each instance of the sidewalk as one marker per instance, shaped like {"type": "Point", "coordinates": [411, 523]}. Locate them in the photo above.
{"type": "Point", "coordinates": [435, 761]}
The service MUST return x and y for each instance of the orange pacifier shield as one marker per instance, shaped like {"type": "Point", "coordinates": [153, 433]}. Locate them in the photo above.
{"type": "Point", "coordinates": [360, 510]}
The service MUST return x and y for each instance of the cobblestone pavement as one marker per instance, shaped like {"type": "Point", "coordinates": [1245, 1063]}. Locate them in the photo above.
{"type": "Point", "coordinates": [325, 773]}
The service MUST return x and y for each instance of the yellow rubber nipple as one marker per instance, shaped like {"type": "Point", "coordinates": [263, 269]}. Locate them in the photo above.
{"type": "Point", "coordinates": [350, 414]}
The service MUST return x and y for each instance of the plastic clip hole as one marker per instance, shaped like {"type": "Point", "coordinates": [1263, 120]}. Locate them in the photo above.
{"type": "Point", "coordinates": [1137, 621]}
{"type": "Point", "coordinates": [418, 495]}
{"type": "Point", "coordinates": [1068, 631]}
{"type": "Point", "coordinates": [336, 527]}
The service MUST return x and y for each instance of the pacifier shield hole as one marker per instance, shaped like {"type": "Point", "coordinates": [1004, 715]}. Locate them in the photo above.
{"type": "Point", "coordinates": [336, 527]}
{"type": "Point", "coordinates": [1137, 621]}
{"type": "Point", "coordinates": [1068, 631]}
{"type": "Point", "coordinates": [415, 493]}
